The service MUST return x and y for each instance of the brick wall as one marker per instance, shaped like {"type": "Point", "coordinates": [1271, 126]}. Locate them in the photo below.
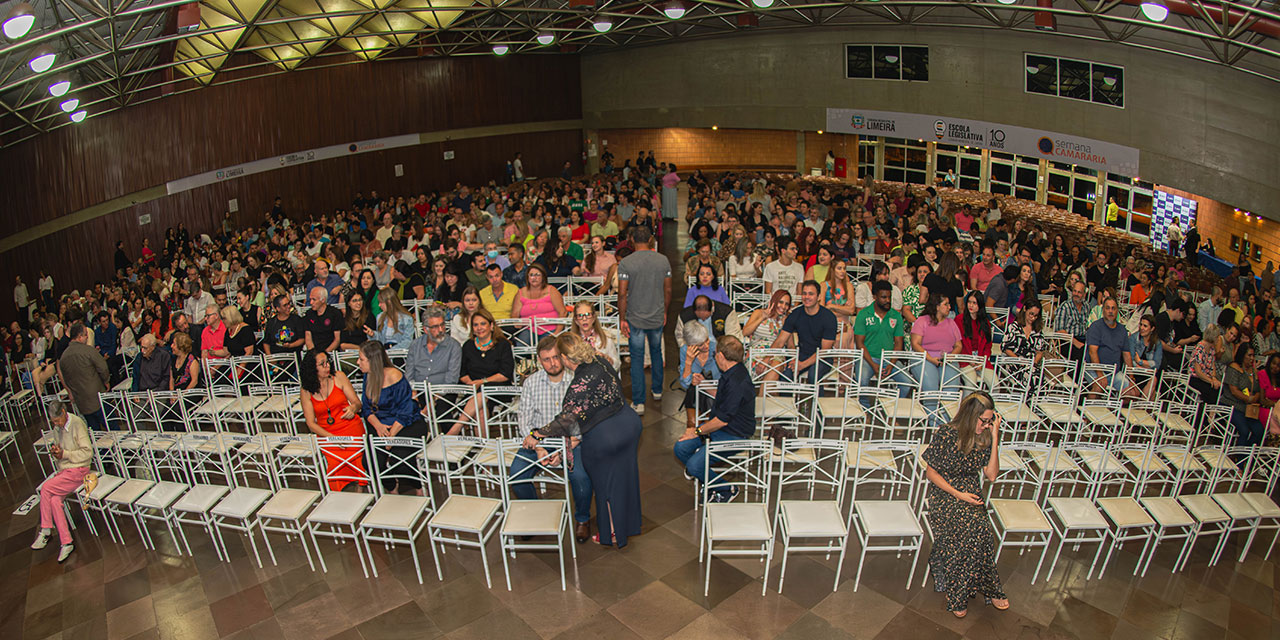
{"type": "Point", "coordinates": [843, 145]}
{"type": "Point", "coordinates": [705, 148]}
{"type": "Point", "coordinates": [1220, 221]}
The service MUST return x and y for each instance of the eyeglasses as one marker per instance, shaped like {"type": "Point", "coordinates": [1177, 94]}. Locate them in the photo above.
{"type": "Point", "coordinates": [987, 421]}
{"type": "Point", "coordinates": [584, 315]}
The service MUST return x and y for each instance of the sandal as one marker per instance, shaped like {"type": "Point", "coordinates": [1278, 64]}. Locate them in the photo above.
{"type": "Point", "coordinates": [960, 614]}
{"type": "Point", "coordinates": [596, 539]}
{"type": "Point", "coordinates": [1000, 608]}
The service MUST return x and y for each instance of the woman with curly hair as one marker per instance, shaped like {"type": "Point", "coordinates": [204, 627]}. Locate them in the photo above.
{"type": "Point", "coordinates": [331, 408]}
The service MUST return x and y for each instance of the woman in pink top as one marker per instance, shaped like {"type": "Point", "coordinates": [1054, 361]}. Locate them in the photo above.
{"type": "Point", "coordinates": [1269, 385]}
{"type": "Point", "coordinates": [669, 183]}
{"type": "Point", "coordinates": [935, 335]}
{"type": "Point", "coordinates": [597, 262]}
{"type": "Point", "coordinates": [537, 299]}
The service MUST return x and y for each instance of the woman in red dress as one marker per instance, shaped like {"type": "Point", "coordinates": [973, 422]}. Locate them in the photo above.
{"type": "Point", "coordinates": [331, 407]}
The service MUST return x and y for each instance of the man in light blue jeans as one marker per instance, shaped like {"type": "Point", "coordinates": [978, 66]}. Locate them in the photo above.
{"type": "Point", "coordinates": [644, 293]}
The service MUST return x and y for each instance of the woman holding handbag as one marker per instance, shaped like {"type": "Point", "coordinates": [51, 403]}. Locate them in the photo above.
{"type": "Point", "coordinates": [1240, 392]}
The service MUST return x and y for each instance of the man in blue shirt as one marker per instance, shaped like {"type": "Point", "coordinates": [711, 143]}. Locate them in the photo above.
{"type": "Point", "coordinates": [330, 281]}
{"type": "Point", "coordinates": [733, 415]}
{"type": "Point", "coordinates": [812, 325]}
{"type": "Point", "coordinates": [1107, 342]}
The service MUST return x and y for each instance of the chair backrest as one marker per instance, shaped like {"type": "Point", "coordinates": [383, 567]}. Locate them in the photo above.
{"type": "Point", "coordinates": [115, 409]}
{"type": "Point", "coordinates": [763, 361]}
{"type": "Point", "coordinates": [1057, 341]}
{"type": "Point", "coordinates": [786, 402]}
{"type": "Point", "coordinates": [218, 372]}
{"type": "Point", "coordinates": [298, 470]}
{"type": "Point", "coordinates": [1260, 473]}
{"type": "Point", "coordinates": [550, 326]}
{"type": "Point", "coordinates": [743, 464]}
{"type": "Point", "coordinates": [963, 371]}
{"type": "Point", "coordinates": [1064, 472]}
{"type": "Point", "coordinates": [877, 423]}
{"type": "Point", "coordinates": [1179, 422]}
{"type": "Point", "coordinates": [839, 370]}
{"type": "Point", "coordinates": [348, 362]}
{"type": "Point", "coordinates": [399, 460]}
{"type": "Point", "coordinates": [705, 391]}
{"type": "Point", "coordinates": [501, 405]}
{"type": "Point", "coordinates": [165, 457]}
{"type": "Point", "coordinates": [519, 332]}
{"type": "Point", "coordinates": [474, 475]}
{"type": "Point", "coordinates": [345, 459]}
{"type": "Point", "coordinates": [546, 468]}
{"type": "Point", "coordinates": [246, 467]}
{"type": "Point", "coordinates": [898, 475]}
{"type": "Point", "coordinates": [248, 370]}
{"type": "Point", "coordinates": [1019, 478]}
{"type": "Point", "coordinates": [812, 469]}
{"type": "Point", "coordinates": [143, 413]}
{"type": "Point", "coordinates": [1014, 375]}
{"type": "Point", "coordinates": [398, 357]}
{"type": "Point", "coordinates": [445, 404]}
{"type": "Point", "coordinates": [1095, 380]}
{"type": "Point", "coordinates": [1174, 387]}
{"type": "Point", "coordinates": [901, 370]}
{"type": "Point", "coordinates": [1215, 428]}
{"type": "Point", "coordinates": [281, 369]}
{"type": "Point", "coordinates": [1141, 421]}
{"type": "Point", "coordinates": [1059, 376]}
{"type": "Point", "coordinates": [938, 405]}
{"type": "Point", "coordinates": [585, 286]}
{"type": "Point", "coordinates": [207, 461]}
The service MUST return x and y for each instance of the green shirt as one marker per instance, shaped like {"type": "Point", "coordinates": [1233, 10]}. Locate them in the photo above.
{"type": "Point", "coordinates": [578, 205]}
{"type": "Point", "coordinates": [574, 249]}
{"type": "Point", "coordinates": [878, 333]}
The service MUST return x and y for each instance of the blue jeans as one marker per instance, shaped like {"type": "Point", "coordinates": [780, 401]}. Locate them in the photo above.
{"type": "Point", "coordinates": [1249, 430]}
{"type": "Point", "coordinates": [689, 453]}
{"type": "Point", "coordinates": [636, 342]}
{"type": "Point", "coordinates": [579, 482]}
{"type": "Point", "coordinates": [865, 373]}
{"type": "Point", "coordinates": [97, 421]}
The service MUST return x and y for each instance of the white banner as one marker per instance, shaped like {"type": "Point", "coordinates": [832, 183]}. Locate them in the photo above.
{"type": "Point", "coordinates": [1059, 147]}
{"type": "Point", "coordinates": [288, 160]}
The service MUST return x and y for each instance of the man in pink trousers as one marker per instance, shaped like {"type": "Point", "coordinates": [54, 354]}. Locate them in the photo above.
{"type": "Point", "coordinates": [73, 450]}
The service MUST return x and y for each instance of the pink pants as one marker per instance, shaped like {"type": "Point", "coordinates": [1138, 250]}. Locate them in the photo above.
{"type": "Point", "coordinates": [52, 491]}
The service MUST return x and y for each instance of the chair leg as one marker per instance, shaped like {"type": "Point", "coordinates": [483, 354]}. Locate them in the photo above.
{"type": "Point", "coordinates": [502, 546]}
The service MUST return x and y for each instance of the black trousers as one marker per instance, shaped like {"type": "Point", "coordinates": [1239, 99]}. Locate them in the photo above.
{"type": "Point", "coordinates": [405, 476]}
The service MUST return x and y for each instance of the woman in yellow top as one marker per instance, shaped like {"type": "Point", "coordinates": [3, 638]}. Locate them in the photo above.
{"type": "Point", "coordinates": [73, 451]}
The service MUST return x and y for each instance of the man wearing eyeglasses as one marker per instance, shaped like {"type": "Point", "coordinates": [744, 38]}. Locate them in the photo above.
{"type": "Point", "coordinates": [434, 357]}
{"type": "Point", "coordinates": [283, 332]}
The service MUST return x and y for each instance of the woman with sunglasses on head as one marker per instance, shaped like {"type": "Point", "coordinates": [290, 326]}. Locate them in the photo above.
{"type": "Point", "coordinates": [963, 558]}
{"type": "Point", "coordinates": [331, 408]}
{"type": "Point", "coordinates": [586, 324]}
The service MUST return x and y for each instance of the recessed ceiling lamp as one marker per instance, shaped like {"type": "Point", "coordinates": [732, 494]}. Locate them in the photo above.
{"type": "Point", "coordinates": [59, 87]}
{"type": "Point", "coordinates": [1155, 11]}
{"type": "Point", "coordinates": [79, 116]}
{"type": "Point", "coordinates": [70, 105]}
{"type": "Point", "coordinates": [602, 24]}
{"type": "Point", "coordinates": [1007, 1]}
{"type": "Point", "coordinates": [674, 10]}
{"type": "Point", "coordinates": [21, 19]}
{"type": "Point", "coordinates": [500, 49]}
{"type": "Point", "coordinates": [1110, 81]}
{"type": "Point", "coordinates": [1033, 69]}
{"type": "Point", "coordinates": [891, 59]}
{"type": "Point", "coordinates": [763, 4]}
{"type": "Point", "coordinates": [546, 37]}
{"type": "Point", "coordinates": [43, 59]}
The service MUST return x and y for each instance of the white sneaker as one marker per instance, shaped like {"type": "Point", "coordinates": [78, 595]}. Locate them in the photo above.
{"type": "Point", "coordinates": [639, 409]}
{"type": "Point", "coordinates": [42, 540]}
{"type": "Point", "coordinates": [65, 552]}
{"type": "Point", "coordinates": [657, 395]}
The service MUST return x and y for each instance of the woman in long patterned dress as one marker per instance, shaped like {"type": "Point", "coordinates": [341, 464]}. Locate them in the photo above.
{"type": "Point", "coordinates": [963, 557]}
{"type": "Point", "coordinates": [594, 410]}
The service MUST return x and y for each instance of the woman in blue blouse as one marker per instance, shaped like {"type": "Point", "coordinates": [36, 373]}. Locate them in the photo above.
{"type": "Point", "coordinates": [707, 284]}
{"type": "Point", "coordinates": [388, 408]}
{"type": "Point", "coordinates": [1146, 352]}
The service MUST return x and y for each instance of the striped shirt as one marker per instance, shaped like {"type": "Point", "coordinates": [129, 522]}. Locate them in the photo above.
{"type": "Point", "coordinates": [1071, 319]}
{"type": "Point", "coordinates": [540, 400]}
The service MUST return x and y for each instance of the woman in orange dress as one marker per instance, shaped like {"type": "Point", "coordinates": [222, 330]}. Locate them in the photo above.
{"type": "Point", "coordinates": [331, 407]}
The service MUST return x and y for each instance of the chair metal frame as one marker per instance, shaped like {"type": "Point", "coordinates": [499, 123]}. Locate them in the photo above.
{"type": "Point", "coordinates": [746, 466]}
{"type": "Point", "coordinates": [547, 471]}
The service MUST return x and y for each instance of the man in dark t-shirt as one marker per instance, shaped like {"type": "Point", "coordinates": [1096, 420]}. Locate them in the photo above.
{"type": "Point", "coordinates": [283, 332]}
{"type": "Point", "coordinates": [323, 323]}
{"type": "Point", "coordinates": [812, 327]}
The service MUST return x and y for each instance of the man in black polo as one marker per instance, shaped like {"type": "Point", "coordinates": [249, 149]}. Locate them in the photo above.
{"type": "Point", "coordinates": [733, 415]}
{"type": "Point", "coordinates": [323, 323]}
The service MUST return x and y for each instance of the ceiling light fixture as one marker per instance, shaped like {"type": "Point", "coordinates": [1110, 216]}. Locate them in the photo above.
{"type": "Point", "coordinates": [546, 37]}
{"type": "Point", "coordinates": [1033, 69]}
{"type": "Point", "coordinates": [674, 10]}
{"type": "Point", "coordinates": [500, 49]}
{"type": "Point", "coordinates": [762, 4]}
{"type": "Point", "coordinates": [891, 59]}
{"type": "Point", "coordinates": [1155, 11]}
{"type": "Point", "coordinates": [19, 22]}
{"type": "Point", "coordinates": [1110, 81]}
{"type": "Point", "coordinates": [79, 116]}
{"type": "Point", "coordinates": [59, 87]}
{"type": "Point", "coordinates": [43, 59]}
{"type": "Point", "coordinates": [1007, 1]}
{"type": "Point", "coordinates": [70, 105]}
{"type": "Point", "coordinates": [602, 24]}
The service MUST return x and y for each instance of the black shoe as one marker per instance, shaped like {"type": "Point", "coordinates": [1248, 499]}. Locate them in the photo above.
{"type": "Point", "coordinates": [724, 496]}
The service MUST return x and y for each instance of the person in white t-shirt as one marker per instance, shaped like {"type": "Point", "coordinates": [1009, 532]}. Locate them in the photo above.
{"type": "Point", "coordinates": [21, 300]}
{"type": "Point", "coordinates": [517, 166]}
{"type": "Point", "coordinates": [784, 273]}
{"type": "Point", "coordinates": [45, 283]}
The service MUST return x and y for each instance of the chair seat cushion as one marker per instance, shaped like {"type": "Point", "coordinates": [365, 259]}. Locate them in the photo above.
{"type": "Point", "coordinates": [1203, 508]}
{"type": "Point", "coordinates": [1101, 415]}
{"type": "Point", "coordinates": [903, 409]}
{"type": "Point", "coordinates": [1053, 461]}
{"type": "Point", "coordinates": [888, 518]}
{"type": "Point", "coordinates": [107, 483]}
{"type": "Point", "coordinates": [1059, 413]}
{"type": "Point", "coordinates": [858, 458]}
{"type": "Point", "coordinates": [1125, 512]}
{"type": "Point", "coordinates": [341, 508]}
{"type": "Point", "coordinates": [129, 491]}
{"type": "Point", "coordinates": [435, 452]}
{"type": "Point", "coordinates": [1020, 516]}
{"type": "Point", "coordinates": [1144, 461]}
{"type": "Point", "coordinates": [465, 513]}
{"type": "Point", "coordinates": [201, 498]}
{"type": "Point", "coordinates": [1167, 512]}
{"type": "Point", "coordinates": [162, 495]}
{"type": "Point", "coordinates": [1078, 513]}
{"type": "Point", "coordinates": [1235, 505]}
{"type": "Point", "coordinates": [1263, 504]}
{"type": "Point", "coordinates": [241, 502]}
{"type": "Point", "coordinates": [813, 518]}
{"type": "Point", "coordinates": [1101, 462]}
{"type": "Point", "coordinates": [395, 512]}
{"type": "Point", "coordinates": [1217, 460]}
{"type": "Point", "coordinates": [774, 407]}
{"type": "Point", "coordinates": [1181, 459]}
{"type": "Point", "coordinates": [534, 517]}
{"type": "Point", "coordinates": [289, 504]}
{"type": "Point", "coordinates": [841, 407]}
{"type": "Point", "coordinates": [733, 521]}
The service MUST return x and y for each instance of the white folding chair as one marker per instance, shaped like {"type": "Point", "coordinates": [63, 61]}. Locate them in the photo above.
{"type": "Point", "coordinates": [1014, 375]}
{"type": "Point", "coordinates": [772, 364]}
{"type": "Point", "coordinates": [901, 371]}
{"type": "Point", "coordinates": [445, 407]}
{"type": "Point", "coordinates": [281, 369]}
{"type": "Point", "coordinates": [788, 405]}
{"type": "Point", "coordinates": [500, 404]}
{"type": "Point", "coordinates": [547, 473]}
{"type": "Point", "coordinates": [741, 527]}
{"type": "Point", "coordinates": [966, 373]}
{"type": "Point", "coordinates": [398, 519]}
{"type": "Point", "coordinates": [892, 466]}
{"type": "Point", "coordinates": [476, 514]}
{"type": "Point", "coordinates": [171, 482]}
{"type": "Point", "coordinates": [338, 515]}
{"type": "Point", "coordinates": [1013, 501]}
{"type": "Point", "coordinates": [1174, 387]}
{"type": "Point", "coordinates": [236, 511]}
{"type": "Point", "coordinates": [519, 331]}
{"type": "Point", "coordinates": [209, 477]}
{"type": "Point", "coordinates": [1073, 513]}
{"type": "Point", "coordinates": [1214, 436]}
{"type": "Point", "coordinates": [120, 502]}
{"type": "Point", "coordinates": [815, 467]}
{"type": "Point", "coordinates": [1097, 381]}
{"type": "Point", "coordinates": [1249, 503]}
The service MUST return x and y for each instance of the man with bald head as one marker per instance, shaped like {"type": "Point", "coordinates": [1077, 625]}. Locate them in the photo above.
{"type": "Point", "coordinates": [152, 370]}
{"type": "Point", "coordinates": [323, 323]}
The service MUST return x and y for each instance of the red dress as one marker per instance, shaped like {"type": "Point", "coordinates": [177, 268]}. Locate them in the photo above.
{"type": "Point", "coordinates": [329, 415]}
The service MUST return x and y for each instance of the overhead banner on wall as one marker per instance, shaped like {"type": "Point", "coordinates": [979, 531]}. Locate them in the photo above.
{"type": "Point", "coordinates": [289, 160]}
{"type": "Point", "coordinates": [1059, 147]}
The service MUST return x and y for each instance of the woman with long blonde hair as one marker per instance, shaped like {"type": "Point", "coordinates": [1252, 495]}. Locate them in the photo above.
{"type": "Point", "coordinates": [586, 325]}
{"type": "Point", "coordinates": [963, 558]}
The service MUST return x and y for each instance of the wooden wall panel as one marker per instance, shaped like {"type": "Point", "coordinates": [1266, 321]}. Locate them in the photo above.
{"type": "Point", "coordinates": [146, 145]}
{"type": "Point", "coordinates": [310, 188]}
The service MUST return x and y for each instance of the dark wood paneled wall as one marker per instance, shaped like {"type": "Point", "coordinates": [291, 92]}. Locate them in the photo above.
{"type": "Point", "coordinates": [144, 146]}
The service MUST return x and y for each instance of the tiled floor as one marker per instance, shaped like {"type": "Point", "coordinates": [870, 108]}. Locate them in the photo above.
{"type": "Point", "coordinates": [652, 589]}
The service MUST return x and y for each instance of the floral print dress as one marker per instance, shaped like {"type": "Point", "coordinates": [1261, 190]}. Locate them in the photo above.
{"type": "Point", "coordinates": [963, 557]}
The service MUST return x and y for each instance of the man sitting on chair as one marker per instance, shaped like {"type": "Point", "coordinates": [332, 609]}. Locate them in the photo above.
{"type": "Point", "coordinates": [733, 415]}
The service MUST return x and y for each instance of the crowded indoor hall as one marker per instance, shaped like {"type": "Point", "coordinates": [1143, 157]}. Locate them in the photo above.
{"type": "Point", "coordinates": [997, 377]}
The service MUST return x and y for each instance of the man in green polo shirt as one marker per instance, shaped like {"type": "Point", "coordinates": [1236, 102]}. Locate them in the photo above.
{"type": "Point", "coordinates": [877, 328]}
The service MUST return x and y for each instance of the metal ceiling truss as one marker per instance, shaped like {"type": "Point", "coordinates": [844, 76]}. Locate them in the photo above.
{"type": "Point", "coordinates": [124, 52]}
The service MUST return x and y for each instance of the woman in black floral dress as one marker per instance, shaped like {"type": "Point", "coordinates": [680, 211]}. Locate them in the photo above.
{"type": "Point", "coordinates": [963, 557]}
{"type": "Point", "coordinates": [594, 410]}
